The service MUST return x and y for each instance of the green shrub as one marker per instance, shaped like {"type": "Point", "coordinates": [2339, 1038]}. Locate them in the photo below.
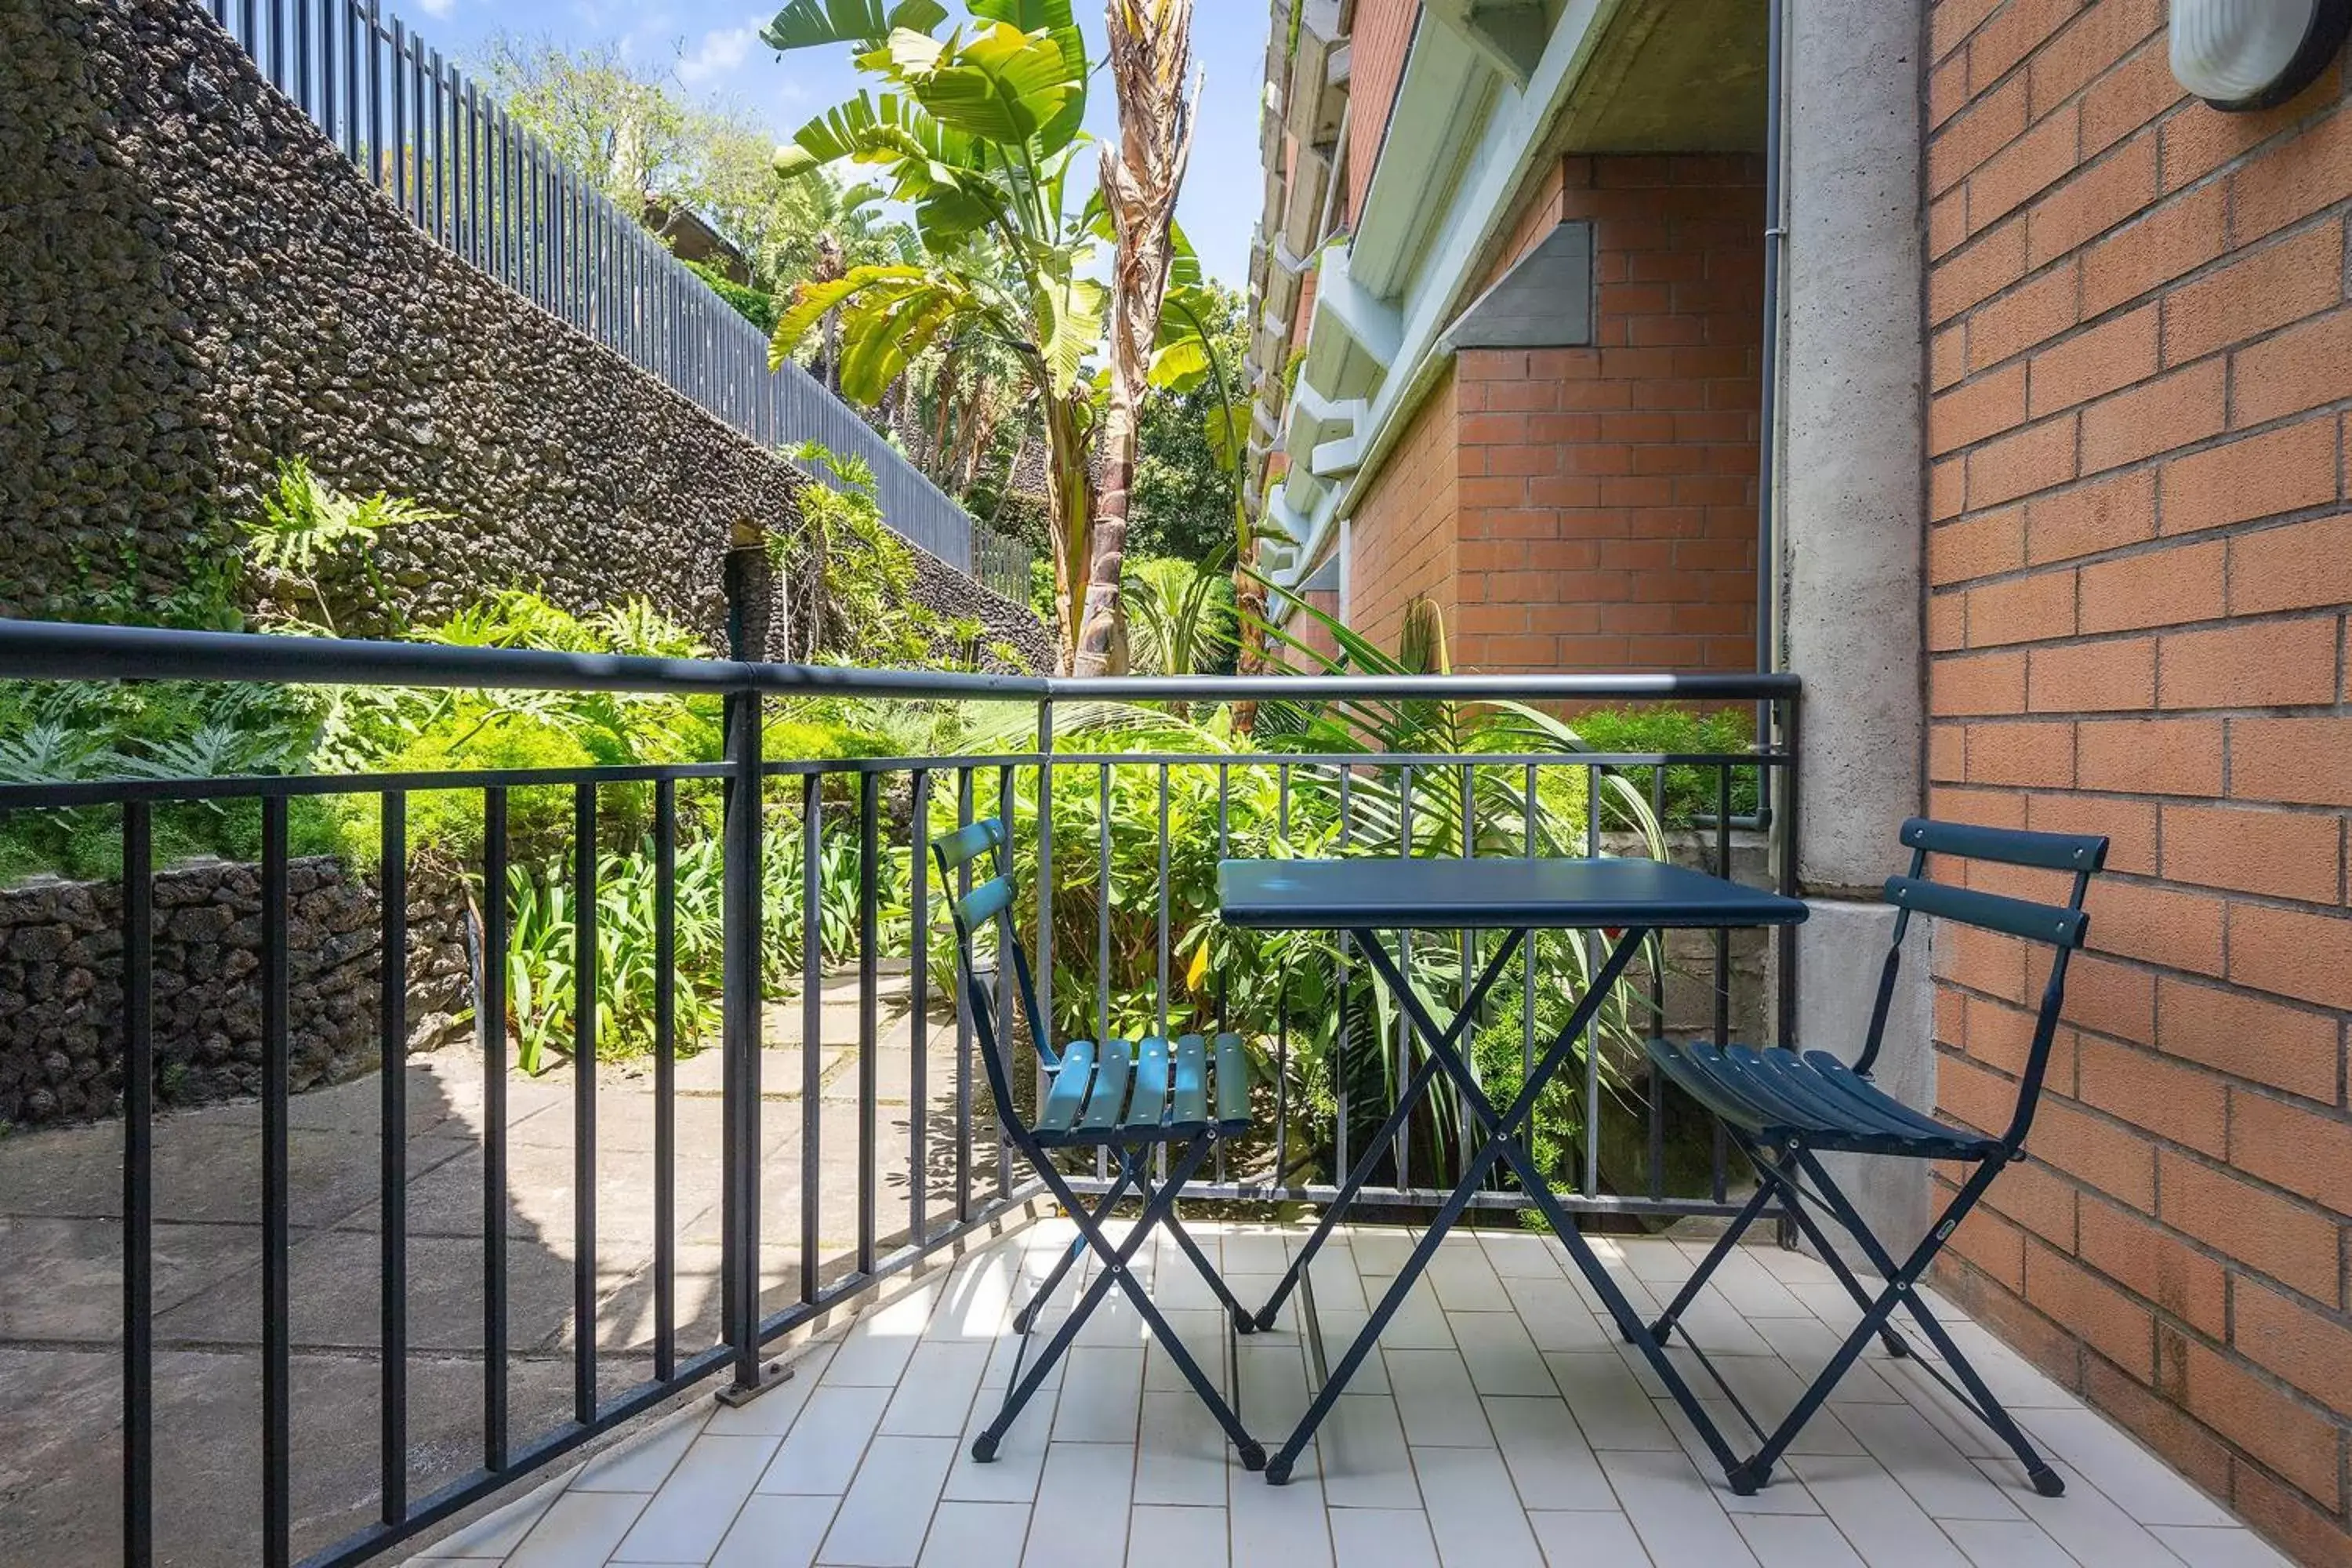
{"type": "Point", "coordinates": [1691, 788]}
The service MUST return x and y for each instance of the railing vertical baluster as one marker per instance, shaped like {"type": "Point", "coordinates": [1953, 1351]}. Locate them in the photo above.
{"type": "Point", "coordinates": [276, 1297]}
{"type": "Point", "coordinates": [323, 42]}
{"type": "Point", "coordinates": [1529, 955]}
{"type": "Point", "coordinates": [138, 1187]}
{"type": "Point", "coordinates": [1790, 710]}
{"type": "Point", "coordinates": [811, 1023]}
{"type": "Point", "coordinates": [1006, 800]}
{"type": "Point", "coordinates": [1102, 904]}
{"type": "Point", "coordinates": [375, 170]}
{"type": "Point", "coordinates": [1657, 1128]}
{"type": "Point", "coordinates": [1044, 976]}
{"type": "Point", "coordinates": [585, 1031]}
{"type": "Point", "coordinates": [1339, 1160]}
{"type": "Point", "coordinates": [352, 23]}
{"type": "Point", "coordinates": [1404, 966]}
{"type": "Point", "coordinates": [964, 797]}
{"type": "Point", "coordinates": [1102, 930]}
{"type": "Point", "coordinates": [1722, 961]}
{"type": "Point", "coordinates": [665, 1079]}
{"type": "Point", "coordinates": [1467, 941]}
{"type": "Point", "coordinates": [492, 1011]}
{"type": "Point", "coordinates": [441, 103]}
{"type": "Point", "coordinates": [399, 149]}
{"type": "Point", "coordinates": [1224, 851]}
{"type": "Point", "coordinates": [414, 161]}
{"type": "Point", "coordinates": [870, 895]}
{"type": "Point", "coordinates": [392, 1080]}
{"type": "Point", "coordinates": [303, 56]}
{"type": "Point", "coordinates": [745, 843]}
{"type": "Point", "coordinates": [918, 1028]}
{"type": "Point", "coordinates": [1594, 957]}
{"type": "Point", "coordinates": [1162, 929]}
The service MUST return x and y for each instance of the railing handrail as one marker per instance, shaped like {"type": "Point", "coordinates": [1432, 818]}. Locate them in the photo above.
{"type": "Point", "coordinates": [73, 650]}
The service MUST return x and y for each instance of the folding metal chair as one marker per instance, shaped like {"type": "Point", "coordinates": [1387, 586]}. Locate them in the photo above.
{"type": "Point", "coordinates": [1787, 1110]}
{"type": "Point", "coordinates": [1130, 1099]}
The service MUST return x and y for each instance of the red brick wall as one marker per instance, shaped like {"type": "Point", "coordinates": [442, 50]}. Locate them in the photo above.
{"type": "Point", "coordinates": [1608, 495]}
{"type": "Point", "coordinates": [2141, 363]}
{"type": "Point", "coordinates": [1404, 533]}
{"type": "Point", "coordinates": [1380, 41]}
{"type": "Point", "coordinates": [1312, 635]}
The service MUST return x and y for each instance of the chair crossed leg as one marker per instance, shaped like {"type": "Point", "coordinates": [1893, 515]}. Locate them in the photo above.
{"type": "Point", "coordinates": [1785, 1172]}
{"type": "Point", "coordinates": [1159, 1211]}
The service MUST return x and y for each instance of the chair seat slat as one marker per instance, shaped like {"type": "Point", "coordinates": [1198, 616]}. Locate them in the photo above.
{"type": "Point", "coordinates": [1192, 1109]}
{"type": "Point", "coordinates": [1108, 1102]}
{"type": "Point", "coordinates": [1068, 1093]}
{"type": "Point", "coordinates": [1146, 1101]}
{"type": "Point", "coordinates": [1805, 1085]}
{"type": "Point", "coordinates": [1233, 1081]}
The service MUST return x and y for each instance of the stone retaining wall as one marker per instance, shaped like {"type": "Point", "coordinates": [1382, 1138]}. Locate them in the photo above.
{"type": "Point", "coordinates": [197, 285]}
{"type": "Point", "coordinates": [61, 985]}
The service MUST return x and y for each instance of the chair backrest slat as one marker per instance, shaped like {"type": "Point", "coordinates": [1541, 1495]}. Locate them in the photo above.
{"type": "Point", "coordinates": [2063, 928]}
{"type": "Point", "coordinates": [969, 841]}
{"type": "Point", "coordinates": [2012, 846]}
{"type": "Point", "coordinates": [2017, 917]}
{"type": "Point", "coordinates": [991, 901]}
{"type": "Point", "coordinates": [986, 902]}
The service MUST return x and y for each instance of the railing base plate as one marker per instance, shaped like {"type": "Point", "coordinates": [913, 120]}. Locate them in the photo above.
{"type": "Point", "coordinates": [735, 1395]}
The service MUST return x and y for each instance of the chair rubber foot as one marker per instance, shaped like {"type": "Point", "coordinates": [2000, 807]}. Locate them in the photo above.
{"type": "Point", "coordinates": [1278, 1470]}
{"type": "Point", "coordinates": [1746, 1481]}
{"type": "Point", "coordinates": [1660, 1331]}
{"type": "Point", "coordinates": [983, 1448]}
{"type": "Point", "coordinates": [1266, 1321]}
{"type": "Point", "coordinates": [1244, 1323]}
{"type": "Point", "coordinates": [1252, 1457]}
{"type": "Point", "coordinates": [1898, 1350]}
{"type": "Point", "coordinates": [2046, 1481]}
{"type": "Point", "coordinates": [1021, 1322]}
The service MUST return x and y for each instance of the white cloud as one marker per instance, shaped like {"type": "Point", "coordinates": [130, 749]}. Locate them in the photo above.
{"type": "Point", "coordinates": [716, 54]}
{"type": "Point", "coordinates": [436, 8]}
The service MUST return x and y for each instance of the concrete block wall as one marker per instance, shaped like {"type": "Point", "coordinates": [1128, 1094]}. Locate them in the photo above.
{"type": "Point", "coordinates": [2140, 361]}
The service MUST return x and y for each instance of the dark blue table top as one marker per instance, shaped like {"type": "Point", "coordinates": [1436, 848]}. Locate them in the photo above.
{"type": "Point", "coordinates": [1375, 894]}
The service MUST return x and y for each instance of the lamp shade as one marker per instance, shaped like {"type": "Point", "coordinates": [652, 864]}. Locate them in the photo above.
{"type": "Point", "coordinates": [2250, 54]}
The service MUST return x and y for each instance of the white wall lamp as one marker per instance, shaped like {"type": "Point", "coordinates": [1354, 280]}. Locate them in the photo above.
{"type": "Point", "coordinates": [2242, 54]}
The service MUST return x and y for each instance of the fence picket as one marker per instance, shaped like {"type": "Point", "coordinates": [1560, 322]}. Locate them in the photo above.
{"type": "Point", "coordinates": [458, 166]}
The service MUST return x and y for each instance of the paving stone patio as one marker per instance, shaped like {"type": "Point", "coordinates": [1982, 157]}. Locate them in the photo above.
{"type": "Point", "coordinates": [60, 1288]}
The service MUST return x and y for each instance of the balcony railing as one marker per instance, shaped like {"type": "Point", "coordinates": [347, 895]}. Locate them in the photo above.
{"type": "Point", "coordinates": [824, 884]}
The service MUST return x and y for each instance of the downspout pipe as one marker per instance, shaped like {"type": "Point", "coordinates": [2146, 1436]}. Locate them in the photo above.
{"type": "Point", "coordinates": [1776, 243]}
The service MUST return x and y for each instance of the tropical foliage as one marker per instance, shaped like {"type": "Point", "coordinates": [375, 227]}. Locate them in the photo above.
{"type": "Point", "coordinates": [977, 130]}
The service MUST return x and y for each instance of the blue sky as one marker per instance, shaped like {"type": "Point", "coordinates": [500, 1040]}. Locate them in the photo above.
{"type": "Point", "coordinates": [713, 49]}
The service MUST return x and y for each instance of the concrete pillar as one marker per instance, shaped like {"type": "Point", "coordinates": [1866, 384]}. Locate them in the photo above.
{"type": "Point", "coordinates": [1852, 516]}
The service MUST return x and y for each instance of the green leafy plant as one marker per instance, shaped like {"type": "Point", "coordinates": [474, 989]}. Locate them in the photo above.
{"type": "Point", "coordinates": [308, 529]}
{"type": "Point", "coordinates": [977, 131]}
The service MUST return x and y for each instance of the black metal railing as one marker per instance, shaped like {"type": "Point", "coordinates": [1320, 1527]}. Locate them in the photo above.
{"type": "Point", "coordinates": [825, 883]}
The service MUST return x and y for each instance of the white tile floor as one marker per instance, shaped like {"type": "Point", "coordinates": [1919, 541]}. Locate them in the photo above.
{"type": "Point", "coordinates": [1500, 1425]}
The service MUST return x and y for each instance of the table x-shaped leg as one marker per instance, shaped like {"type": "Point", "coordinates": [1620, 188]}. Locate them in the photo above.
{"type": "Point", "coordinates": [1503, 1128]}
{"type": "Point", "coordinates": [1416, 1090]}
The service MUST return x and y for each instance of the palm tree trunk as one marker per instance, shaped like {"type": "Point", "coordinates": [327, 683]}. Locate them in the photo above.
{"type": "Point", "coordinates": [1150, 53]}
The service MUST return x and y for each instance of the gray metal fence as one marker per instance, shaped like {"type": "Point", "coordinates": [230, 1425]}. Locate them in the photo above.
{"type": "Point", "coordinates": [452, 158]}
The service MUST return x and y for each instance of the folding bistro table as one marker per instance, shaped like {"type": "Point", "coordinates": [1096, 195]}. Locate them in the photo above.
{"type": "Point", "coordinates": [1629, 897]}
